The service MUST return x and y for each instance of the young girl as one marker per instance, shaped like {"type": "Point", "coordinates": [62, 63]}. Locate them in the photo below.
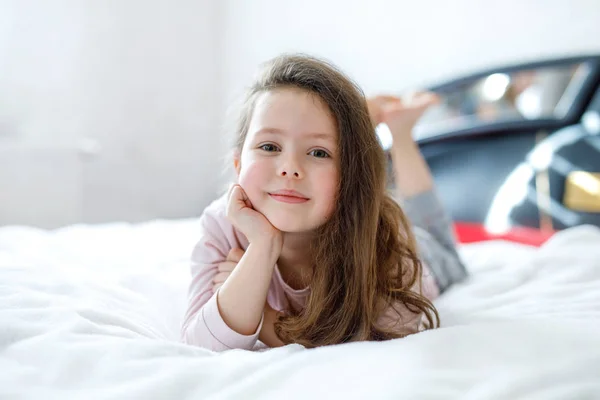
{"type": "Point", "coordinates": [307, 246]}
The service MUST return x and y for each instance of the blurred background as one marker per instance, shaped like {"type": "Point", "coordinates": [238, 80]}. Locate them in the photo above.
{"type": "Point", "coordinates": [117, 110]}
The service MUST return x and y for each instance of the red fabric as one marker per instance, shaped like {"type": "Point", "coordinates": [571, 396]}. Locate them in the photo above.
{"type": "Point", "coordinates": [468, 232]}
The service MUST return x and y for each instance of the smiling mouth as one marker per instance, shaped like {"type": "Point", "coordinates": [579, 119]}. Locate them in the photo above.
{"type": "Point", "coordinates": [286, 198]}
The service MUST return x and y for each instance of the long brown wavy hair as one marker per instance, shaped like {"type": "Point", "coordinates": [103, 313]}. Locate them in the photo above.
{"type": "Point", "coordinates": [364, 256]}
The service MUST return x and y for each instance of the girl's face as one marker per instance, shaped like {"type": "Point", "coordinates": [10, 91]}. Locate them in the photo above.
{"type": "Point", "coordinates": [288, 165]}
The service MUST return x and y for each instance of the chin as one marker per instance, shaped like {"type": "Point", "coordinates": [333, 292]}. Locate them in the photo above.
{"type": "Point", "coordinates": [290, 227]}
{"type": "Point", "coordinates": [289, 224]}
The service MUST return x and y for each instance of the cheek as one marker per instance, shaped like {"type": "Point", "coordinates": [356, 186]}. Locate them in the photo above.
{"type": "Point", "coordinates": [328, 186]}
{"type": "Point", "coordinates": [253, 175]}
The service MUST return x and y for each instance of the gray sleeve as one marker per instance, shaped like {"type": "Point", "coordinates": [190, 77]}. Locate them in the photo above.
{"type": "Point", "coordinates": [425, 210]}
{"type": "Point", "coordinates": [435, 238]}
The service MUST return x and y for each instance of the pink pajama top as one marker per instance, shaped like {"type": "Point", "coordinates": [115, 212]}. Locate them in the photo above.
{"type": "Point", "coordinates": [203, 325]}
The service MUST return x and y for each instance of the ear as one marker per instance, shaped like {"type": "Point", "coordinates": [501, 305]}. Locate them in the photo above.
{"type": "Point", "coordinates": [237, 162]}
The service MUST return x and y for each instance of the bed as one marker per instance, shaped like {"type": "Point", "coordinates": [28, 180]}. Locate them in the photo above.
{"type": "Point", "coordinates": [94, 312]}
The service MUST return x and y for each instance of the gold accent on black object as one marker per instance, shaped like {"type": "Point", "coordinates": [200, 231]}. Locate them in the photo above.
{"type": "Point", "coordinates": [582, 191]}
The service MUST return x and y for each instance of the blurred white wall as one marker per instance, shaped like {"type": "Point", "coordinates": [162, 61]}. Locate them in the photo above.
{"type": "Point", "coordinates": [113, 110]}
{"type": "Point", "coordinates": [108, 109]}
{"type": "Point", "coordinates": [389, 45]}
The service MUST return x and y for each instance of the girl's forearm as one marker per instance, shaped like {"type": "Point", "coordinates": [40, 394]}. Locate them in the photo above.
{"type": "Point", "coordinates": [411, 172]}
{"type": "Point", "coordinates": [241, 299]}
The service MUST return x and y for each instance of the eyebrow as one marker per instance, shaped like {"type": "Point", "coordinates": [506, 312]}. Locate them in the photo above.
{"type": "Point", "coordinates": [316, 135]}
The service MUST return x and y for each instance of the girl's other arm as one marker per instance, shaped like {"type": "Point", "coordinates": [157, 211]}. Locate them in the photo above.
{"type": "Point", "coordinates": [411, 172]}
{"type": "Point", "coordinates": [415, 185]}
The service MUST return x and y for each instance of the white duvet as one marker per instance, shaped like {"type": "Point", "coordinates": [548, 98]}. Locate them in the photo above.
{"type": "Point", "coordinates": [93, 312]}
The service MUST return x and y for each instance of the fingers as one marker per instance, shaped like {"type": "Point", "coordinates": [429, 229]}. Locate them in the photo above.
{"type": "Point", "coordinates": [418, 103]}
{"type": "Point", "coordinates": [220, 278]}
{"type": "Point", "coordinates": [378, 104]}
{"type": "Point", "coordinates": [233, 203]}
{"type": "Point", "coordinates": [237, 199]}
{"type": "Point", "coordinates": [246, 199]}
{"type": "Point", "coordinates": [235, 255]}
{"type": "Point", "coordinates": [248, 220]}
{"type": "Point", "coordinates": [234, 194]}
{"type": "Point", "coordinates": [226, 266]}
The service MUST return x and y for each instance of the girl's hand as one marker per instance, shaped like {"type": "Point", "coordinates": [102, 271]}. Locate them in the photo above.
{"type": "Point", "coordinates": [400, 115]}
{"type": "Point", "coordinates": [226, 267]}
{"type": "Point", "coordinates": [254, 225]}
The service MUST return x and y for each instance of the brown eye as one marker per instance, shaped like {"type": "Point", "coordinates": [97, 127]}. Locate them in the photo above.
{"type": "Point", "coordinates": [268, 147]}
{"type": "Point", "coordinates": [319, 153]}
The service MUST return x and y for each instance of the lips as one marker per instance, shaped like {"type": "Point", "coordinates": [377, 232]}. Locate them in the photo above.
{"type": "Point", "coordinates": [289, 196]}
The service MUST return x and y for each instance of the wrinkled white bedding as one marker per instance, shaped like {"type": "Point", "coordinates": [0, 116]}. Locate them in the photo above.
{"type": "Point", "coordinates": [93, 312]}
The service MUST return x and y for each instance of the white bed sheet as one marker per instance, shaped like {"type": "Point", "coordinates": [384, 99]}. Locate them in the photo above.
{"type": "Point", "coordinates": [94, 311]}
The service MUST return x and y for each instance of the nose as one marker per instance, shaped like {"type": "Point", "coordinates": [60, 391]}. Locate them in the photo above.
{"type": "Point", "coordinates": [290, 168]}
